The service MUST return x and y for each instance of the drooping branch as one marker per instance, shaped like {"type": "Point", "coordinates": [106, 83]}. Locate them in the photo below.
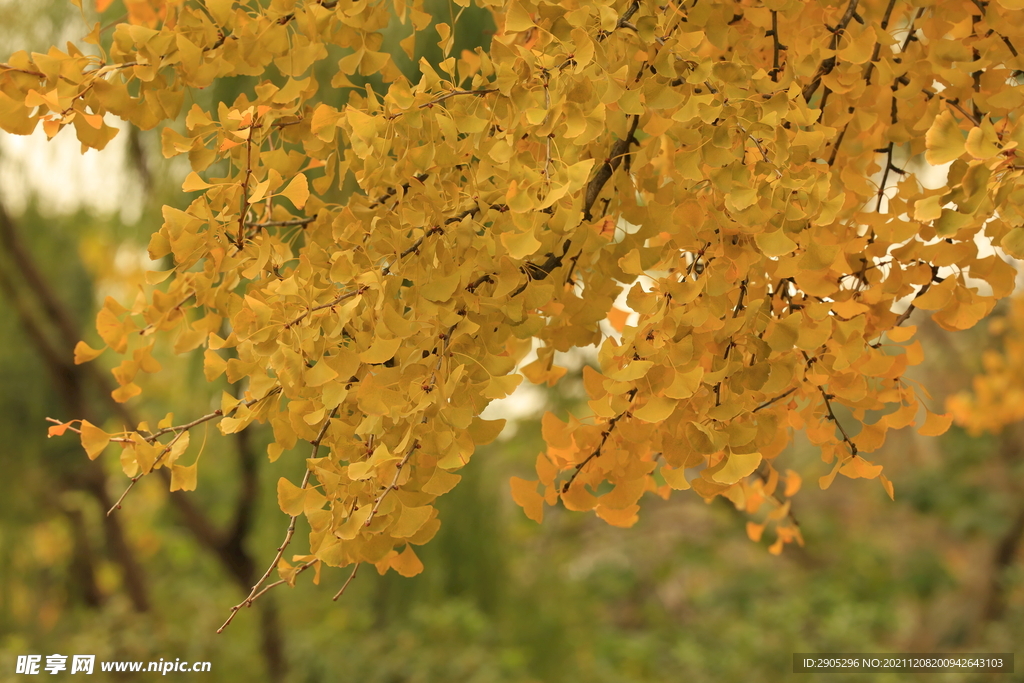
{"type": "Point", "coordinates": [905, 315]}
{"type": "Point", "coordinates": [330, 304]}
{"type": "Point", "coordinates": [889, 165]}
{"type": "Point", "coordinates": [983, 6]}
{"type": "Point", "coordinates": [870, 67]}
{"type": "Point", "coordinates": [829, 63]}
{"type": "Point", "coordinates": [777, 46]}
{"type": "Point", "coordinates": [243, 214]}
{"type": "Point", "coordinates": [618, 152]}
{"type": "Point", "coordinates": [393, 486]}
{"type": "Point", "coordinates": [878, 45]}
{"type": "Point", "coordinates": [604, 438]}
{"type": "Point", "coordinates": [832, 416]}
{"type": "Point", "coordinates": [775, 400]}
{"type": "Point", "coordinates": [256, 591]}
{"type": "Point", "coordinates": [282, 224]}
{"type": "Point", "coordinates": [446, 96]}
{"type": "Point", "coordinates": [347, 582]}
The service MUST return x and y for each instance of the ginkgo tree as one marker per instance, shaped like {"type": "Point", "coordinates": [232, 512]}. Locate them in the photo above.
{"type": "Point", "coordinates": [373, 272]}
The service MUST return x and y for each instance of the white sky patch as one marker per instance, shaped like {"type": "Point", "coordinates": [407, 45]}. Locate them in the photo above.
{"type": "Point", "coordinates": [62, 178]}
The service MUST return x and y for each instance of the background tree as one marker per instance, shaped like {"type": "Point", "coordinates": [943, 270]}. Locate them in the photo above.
{"type": "Point", "coordinates": [769, 289]}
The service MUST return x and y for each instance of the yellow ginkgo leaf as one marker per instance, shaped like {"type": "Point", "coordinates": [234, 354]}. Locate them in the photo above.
{"type": "Point", "coordinates": [184, 478]}
{"type": "Point", "coordinates": [297, 191]}
{"type": "Point", "coordinates": [193, 183]}
{"type": "Point", "coordinates": [944, 141]}
{"type": "Point", "coordinates": [94, 439]}
{"type": "Point", "coordinates": [524, 493]}
{"type": "Point", "coordinates": [85, 353]}
{"type": "Point", "coordinates": [290, 498]}
{"type": "Point", "coordinates": [737, 466]}
{"type": "Point", "coordinates": [407, 563]}
{"type": "Point", "coordinates": [380, 350]}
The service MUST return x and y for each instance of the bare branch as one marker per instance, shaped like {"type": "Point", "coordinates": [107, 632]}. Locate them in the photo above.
{"type": "Point", "coordinates": [271, 224]}
{"type": "Point", "coordinates": [773, 401]}
{"type": "Point", "coordinates": [256, 592]}
{"type": "Point", "coordinates": [351, 576]}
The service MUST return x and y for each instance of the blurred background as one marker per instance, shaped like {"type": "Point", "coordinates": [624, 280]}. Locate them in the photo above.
{"type": "Point", "coordinates": [684, 595]}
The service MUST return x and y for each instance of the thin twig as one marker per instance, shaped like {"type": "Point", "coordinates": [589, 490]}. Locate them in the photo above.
{"type": "Point", "coordinates": [547, 138]}
{"type": "Point", "coordinates": [982, 6]}
{"type": "Point", "coordinates": [392, 486]}
{"type": "Point", "coordinates": [905, 315]}
{"type": "Point", "coordinates": [351, 576]}
{"type": "Point", "coordinates": [256, 592]}
{"type": "Point", "coordinates": [334, 302]}
{"type": "Point", "coordinates": [156, 461]}
{"type": "Point", "coordinates": [446, 96]}
{"type": "Point", "coordinates": [633, 8]}
{"type": "Point", "coordinates": [829, 63]}
{"type": "Point", "coordinates": [271, 224]}
{"type": "Point", "coordinates": [832, 416]}
{"type": "Point", "coordinates": [8, 67]}
{"type": "Point", "coordinates": [773, 401]}
{"type": "Point", "coordinates": [177, 306]}
{"type": "Point", "coordinates": [867, 75]}
{"type": "Point", "coordinates": [604, 437]}
{"type": "Point", "coordinates": [777, 46]}
{"type": "Point", "coordinates": [179, 431]}
{"type": "Point", "coordinates": [298, 570]}
{"type": "Point", "coordinates": [878, 46]}
{"type": "Point", "coordinates": [245, 184]}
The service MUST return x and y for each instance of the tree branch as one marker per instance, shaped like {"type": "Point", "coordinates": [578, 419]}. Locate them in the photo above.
{"type": "Point", "coordinates": [777, 46]}
{"type": "Point", "coordinates": [604, 437]}
{"type": "Point", "coordinates": [905, 315]}
{"type": "Point", "coordinates": [774, 400]}
{"type": "Point", "coordinates": [829, 63]}
{"type": "Point", "coordinates": [256, 592]}
{"type": "Point", "coordinates": [347, 582]}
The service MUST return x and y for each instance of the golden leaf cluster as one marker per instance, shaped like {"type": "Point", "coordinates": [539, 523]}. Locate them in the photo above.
{"type": "Point", "coordinates": [750, 171]}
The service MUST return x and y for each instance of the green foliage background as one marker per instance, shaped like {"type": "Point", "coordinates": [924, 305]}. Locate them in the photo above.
{"type": "Point", "coordinates": [682, 596]}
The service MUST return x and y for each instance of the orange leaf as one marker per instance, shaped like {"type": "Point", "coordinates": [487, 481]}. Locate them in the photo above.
{"type": "Point", "coordinates": [901, 334]}
{"type": "Point", "coordinates": [935, 424]}
{"type": "Point", "coordinates": [524, 493]}
{"type": "Point", "coordinates": [617, 319]}
{"type": "Point", "coordinates": [887, 485]}
{"type": "Point", "coordinates": [58, 430]}
{"type": "Point", "coordinates": [826, 481]}
{"type": "Point", "coordinates": [675, 477]}
{"type": "Point", "coordinates": [406, 563]}
{"type": "Point", "coordinates": [793, 482]}
{"type": "Point", "coordinates": [859, 468]}
{"type": "Point", "coordinates": [624, 518]}
{"type": "Point", "coordinates": [85, 353]}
